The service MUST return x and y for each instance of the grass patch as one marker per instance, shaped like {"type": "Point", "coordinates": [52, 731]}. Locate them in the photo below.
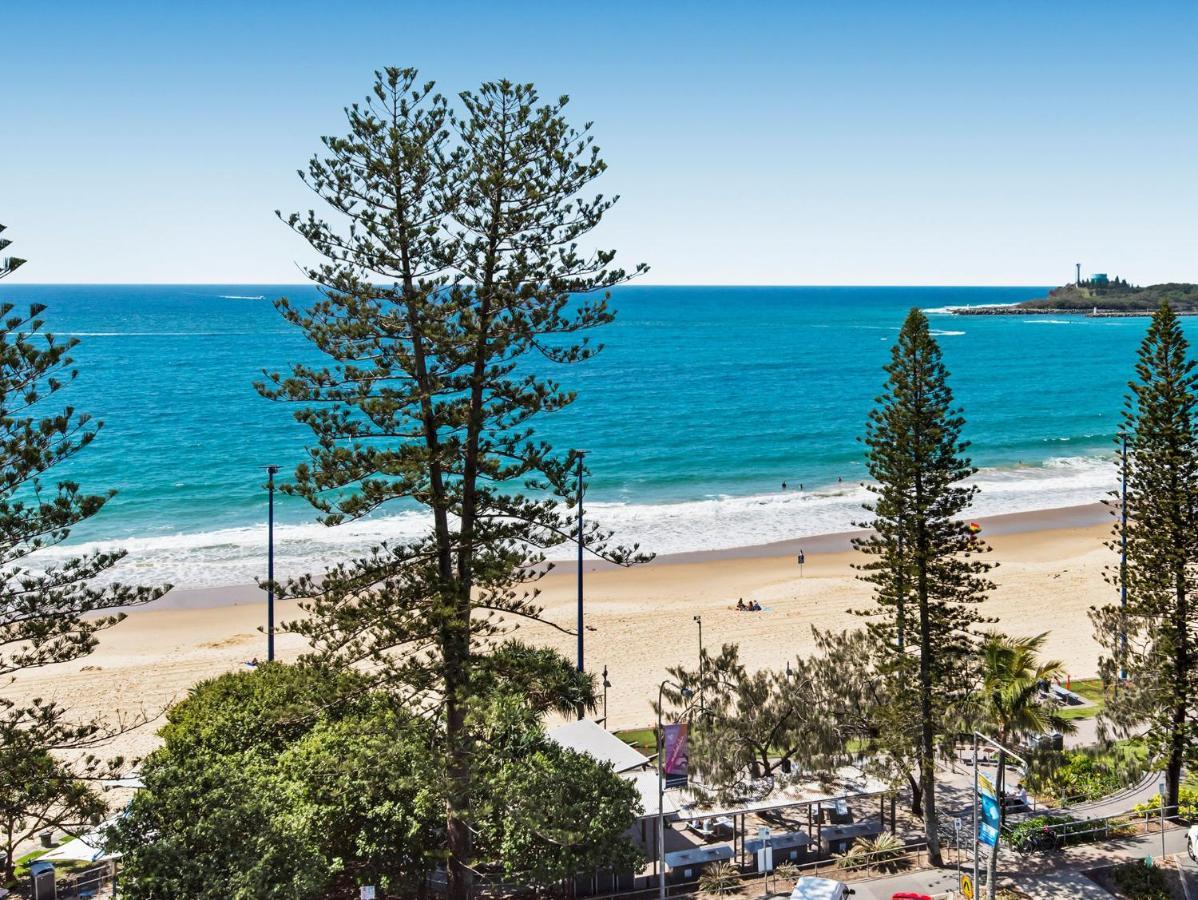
{"type": "Point", "coordinates": [643, 739]}
{"type": "Point", "coordinates": [1089, 688]}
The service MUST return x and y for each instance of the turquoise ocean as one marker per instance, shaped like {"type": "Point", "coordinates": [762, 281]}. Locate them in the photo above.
{"type": "Point", "coordinates": [703, 402]}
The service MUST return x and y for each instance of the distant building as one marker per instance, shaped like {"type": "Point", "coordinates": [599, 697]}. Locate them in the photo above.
{"type": "Point", "coordinates": [1099, 278]}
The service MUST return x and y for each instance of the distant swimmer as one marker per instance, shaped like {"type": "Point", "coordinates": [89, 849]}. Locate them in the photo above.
{"type": "Point", "coordinates": [784, 485]}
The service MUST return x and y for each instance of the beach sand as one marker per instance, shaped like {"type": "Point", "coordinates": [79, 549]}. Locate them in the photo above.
{"type": "Point", "coordinates": [640, 620]}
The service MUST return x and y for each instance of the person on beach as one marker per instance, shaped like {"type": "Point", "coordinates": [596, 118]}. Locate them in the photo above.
{"type": "Point", "coordinates": [740, 604]}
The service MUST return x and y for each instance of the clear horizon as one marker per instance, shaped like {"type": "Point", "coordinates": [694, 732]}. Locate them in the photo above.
{"type": "Point", "coordinates": [770, 144]}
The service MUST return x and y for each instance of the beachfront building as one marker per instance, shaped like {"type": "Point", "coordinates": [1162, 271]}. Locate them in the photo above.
{"type": "Point", "coordinates": [803, 822]}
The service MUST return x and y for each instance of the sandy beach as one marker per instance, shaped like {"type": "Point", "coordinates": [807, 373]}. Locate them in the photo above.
{"type": "Point", "coordinates": [640, 620]}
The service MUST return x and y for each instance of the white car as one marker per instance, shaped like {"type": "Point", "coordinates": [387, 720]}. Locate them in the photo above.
{"type": "Point", "coordinates": [1192, 842]}
{"type": "Point", "coordinates": [810, 888]}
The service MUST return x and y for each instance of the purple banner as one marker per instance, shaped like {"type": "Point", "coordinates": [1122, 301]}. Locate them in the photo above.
{"type": "Point", "coordinates": [675, 740]}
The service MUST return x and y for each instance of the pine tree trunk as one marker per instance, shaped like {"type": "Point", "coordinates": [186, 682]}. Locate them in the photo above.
{"type": "Point", "coordinates": [927, 742]}
{"type": "Point", "coordinates": [1181, 699]}
{"type": "Point", "coordinates": [916, 796]}
{"type": "Point", "coordinates": [457, 803]}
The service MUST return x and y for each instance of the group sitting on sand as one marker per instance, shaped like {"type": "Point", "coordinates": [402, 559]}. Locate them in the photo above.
{"type": "Point", "coordinates": [751, 606]}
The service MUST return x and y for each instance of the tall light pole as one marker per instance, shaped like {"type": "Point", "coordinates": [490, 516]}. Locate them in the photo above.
{"type": "Point", "coordinates": [606, 685]}
{"type": "Point", "coordinates": [581, 542]}
{"type": "Point", "coordinates": [271, 471]}
{"type": "Point", "coordinates": [901, 598]}
{"type": "Point", "coordinates": [661, 790]}
{"type": "Point", "coordinates": [702, 684]}
{"type": "Point", "coordinates": [1123, 558]}
{"type": "Point", "coordinates": [1003, 753]}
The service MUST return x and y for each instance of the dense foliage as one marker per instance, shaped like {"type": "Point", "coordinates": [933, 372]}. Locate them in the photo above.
{"type": "Point", "coordinates": [1066, 831]}
{"type": "Point", "coordinates": [1187, 804]}
{"type": "Point", "coordinates": [1086, 774]}
{"type": "Point", "coordinates": [925, 566]}
{"type": "Point", "coordinates": [753, 731]}
{"type": "Point", "coordinates": [47, 614]}
{"type": "Point", "coordinates": [1150, 644]}
{"type": "Point", "coordinates": [1119, 296]}
{"type": "Point", "coordinates": [300, 782]}
{"type": "Point", "coordinates": [1141, 882]}
{"type": "Point", "coordinates": [451, 277]}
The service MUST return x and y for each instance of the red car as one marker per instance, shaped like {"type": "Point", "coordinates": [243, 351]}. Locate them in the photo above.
{"type": "Point", "coordinates": [909, 895]}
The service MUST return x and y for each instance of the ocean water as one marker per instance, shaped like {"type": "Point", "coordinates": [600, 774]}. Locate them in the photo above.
{"type": "Point", "coordinates": [703, 402]}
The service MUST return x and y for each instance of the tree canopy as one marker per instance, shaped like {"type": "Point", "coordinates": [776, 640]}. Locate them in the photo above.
{"type": "Point", "coordinates": [297, 781]}
{"type": "Point", "coordinates": [452, 275]}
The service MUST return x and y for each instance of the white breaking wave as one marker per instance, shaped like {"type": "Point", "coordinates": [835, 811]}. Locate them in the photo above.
{"type": "Point", "coordinates": [238, 555]}
{"type": "Point", "coordinates": [240, 297]}
{"type": "Point", "coordinates": [940, 333]}
{"type": "Point", "coordinates": [949, 310]}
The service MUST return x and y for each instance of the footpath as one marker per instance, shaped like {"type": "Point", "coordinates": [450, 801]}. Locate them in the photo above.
{"type": "Point", "coordinates": [1054, 876]}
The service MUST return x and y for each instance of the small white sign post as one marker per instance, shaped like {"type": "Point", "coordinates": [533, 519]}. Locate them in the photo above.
{"type": "Point", "coordinates": [1160, 789]}
{"type": "Point", "coordinates": [765, 858]}
{"type": "Point", "coordinates": [366, 892]}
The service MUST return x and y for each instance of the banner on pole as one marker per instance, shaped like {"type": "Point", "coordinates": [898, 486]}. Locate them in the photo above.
{"type": "Point", "coordinates": [676, 751]}
{"type": "Point", "coordinates": [990, 820]}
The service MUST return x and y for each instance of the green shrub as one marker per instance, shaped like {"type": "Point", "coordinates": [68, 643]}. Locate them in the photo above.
{"type": "Point", "coordinates": [788, 871]}
{"type": "Point", "coordinates": [1142, 882]}
{"type": "Point", "coordinates": [1068, 831]}
{"type": "Point", "coordinates": [1086, 774]}
{"type": "Point", "coordinates": [722, 878]}
{"type": "Point", "coordinates": [1187, 803]}
{"type": "Point", "coordinates": [885, 852]}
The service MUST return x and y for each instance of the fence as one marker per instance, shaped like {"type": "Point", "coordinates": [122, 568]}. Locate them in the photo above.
{"type": "Point", "coordinates": [86, 884]}
{"type": "Point", "coordinates": [1079, 831]}
{"type": "Point", "coordinates": [1075, 831]}
{"type": "Point", "coordinates": [868, 864]}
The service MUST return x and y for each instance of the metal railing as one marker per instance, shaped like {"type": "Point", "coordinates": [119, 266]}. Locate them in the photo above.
{"type": "Point", "coordinates": [88, 883]}
{"type": "Point", "coordinates": [1086, 830]}
{"type": "Point", "coordinates": [912, 856]}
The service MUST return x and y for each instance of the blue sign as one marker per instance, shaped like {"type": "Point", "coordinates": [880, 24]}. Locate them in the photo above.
{"type": "Point", "coordinates": [991, 815]}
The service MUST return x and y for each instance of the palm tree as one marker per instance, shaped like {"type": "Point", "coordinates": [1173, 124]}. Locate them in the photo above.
{"type": "Point", "coordinates": [1012, 704]}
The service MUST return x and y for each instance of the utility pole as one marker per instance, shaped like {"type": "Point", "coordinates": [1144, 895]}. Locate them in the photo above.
{"type": "Point", "coordinates": [1123, 559]}
{"type": "Point", "coordinates": [581, 540]}
{"type": "Point", "coordinates": [999, 784]}
{"type": "Point", "coordinates": [271, 471]}
{"type": "Point", "coordinates": [606, 685]}
{"type": "Point", "coordinates": [702, 687]}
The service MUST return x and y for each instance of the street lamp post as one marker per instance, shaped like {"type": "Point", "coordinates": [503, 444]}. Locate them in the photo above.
{"type": "Point", "coordinates": [606, 685]}
{"type": "Point", "coordinates": [661, 816]}
{"type": "Point", "coordinates": [702, 680]}
{"type": "Point", "coordinates": [581, 542]}
{"type": "Point", "coordinates": [271, 471]}
{"type": "Point", "coordinates": [1003, 752]}
{"type": "Point", "coordinates": [1123, 557]}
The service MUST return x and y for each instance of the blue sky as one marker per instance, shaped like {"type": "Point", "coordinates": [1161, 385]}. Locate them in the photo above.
{"type": "Point", "coordinates": [752, 143]}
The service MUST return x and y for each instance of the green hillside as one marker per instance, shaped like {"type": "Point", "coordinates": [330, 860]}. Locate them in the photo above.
{"type": "Point", "coordinates": [1118, 296]}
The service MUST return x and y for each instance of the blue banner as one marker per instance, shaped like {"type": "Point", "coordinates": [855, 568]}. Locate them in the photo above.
{"type": "Point", "coordinates": [988, 824]}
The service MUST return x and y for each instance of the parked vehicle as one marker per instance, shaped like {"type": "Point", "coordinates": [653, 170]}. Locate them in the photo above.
{"type": "Point", "coordinates": [1192, 842]}
{"type": "Point", "coordinates": [810, 888]}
